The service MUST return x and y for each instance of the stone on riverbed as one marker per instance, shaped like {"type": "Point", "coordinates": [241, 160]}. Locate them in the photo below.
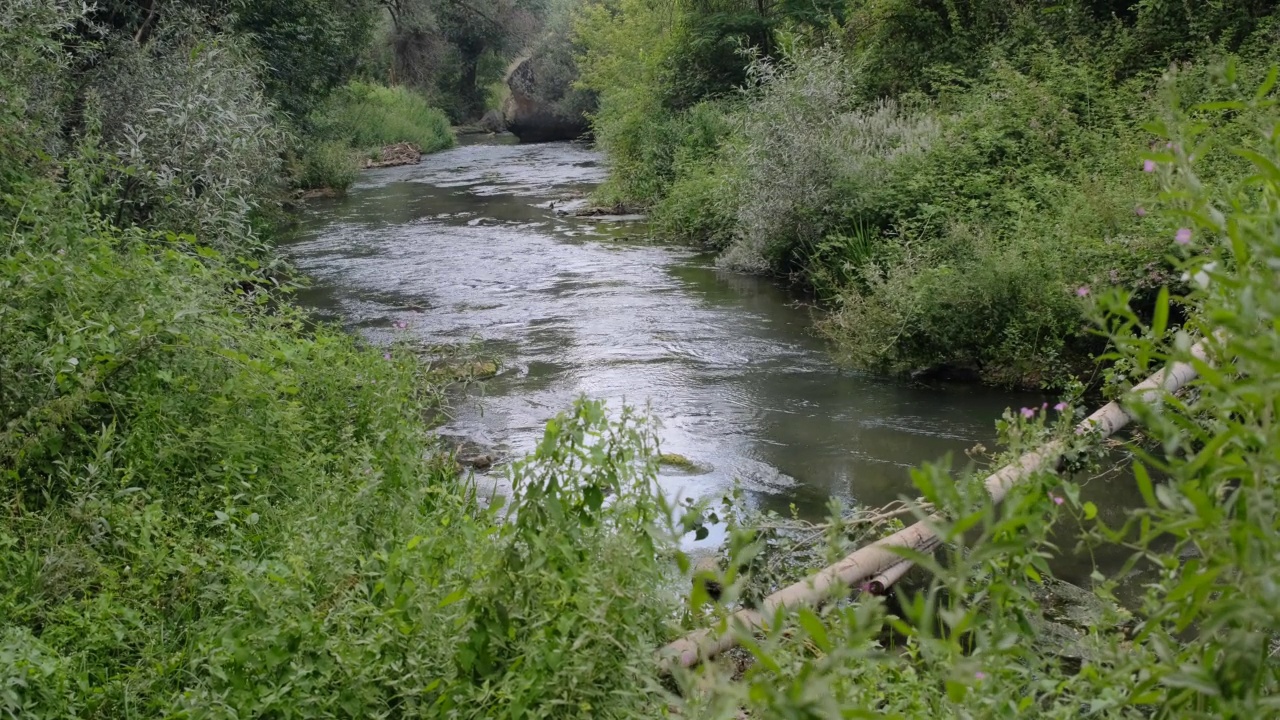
{"type": "Point", "coordinates": [680, 462]}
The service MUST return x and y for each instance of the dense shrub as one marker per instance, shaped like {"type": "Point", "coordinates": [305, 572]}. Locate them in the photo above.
{"type": "Point", "coordinates": [944, 174]}
{"type": "Point", "coordinates": [222, 509]}
{"type": "Point", "coordinates": [1199, 641]}
{"type": "Point", "coordinates": [328, 164]}
{"type": "Point", "coordinates": [197, 139]}
{"type": "Point", "coordinates": [368, 116]}
{"type": "Point", "coordinates": [813, 163]}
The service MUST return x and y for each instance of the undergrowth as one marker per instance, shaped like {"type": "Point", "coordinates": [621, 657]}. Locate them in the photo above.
{"type": "Point", "coordinates": [944, 177]}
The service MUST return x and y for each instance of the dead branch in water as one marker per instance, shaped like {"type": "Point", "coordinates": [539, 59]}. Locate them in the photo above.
{"type": "Point", "coordinates": [880, 566]}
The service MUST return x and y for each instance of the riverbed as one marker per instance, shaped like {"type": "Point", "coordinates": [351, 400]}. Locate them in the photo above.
{"type": "Point", "coordinates": [474, 245]}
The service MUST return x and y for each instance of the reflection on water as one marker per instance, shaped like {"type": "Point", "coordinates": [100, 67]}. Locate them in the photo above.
{"type": "Point", "coordinates": [468, 245]}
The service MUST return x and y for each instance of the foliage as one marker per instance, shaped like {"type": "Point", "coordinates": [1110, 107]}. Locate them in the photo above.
{"type": "Point", "coordinates": [368, 116]}
{"type": "Point", "coordinates": [1200, 643]}
{"type": "Point", "coordinates": [305, 47]}
{"type": "Point", "coordinates": [308, 47]}
{"type": "Point", "coordinates": [943, 175]}
{"type": "Point", "coordinates": [811, 162]}
{"type": "Point", "coordinates": [453, 49]}
{"type": "Point", "coordinates": [220, 509]}
{"type": "Point", "coordinates": [328, 164]}
{"type": "Point", "coordinates": [196, 137]}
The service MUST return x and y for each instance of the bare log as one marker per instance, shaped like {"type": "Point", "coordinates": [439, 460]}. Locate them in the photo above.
{"type": "Point", "coordinates": [878, 564]}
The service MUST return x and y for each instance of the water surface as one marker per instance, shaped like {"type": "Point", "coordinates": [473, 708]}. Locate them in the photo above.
{"type": "Point", "coordinates": [470, 245]}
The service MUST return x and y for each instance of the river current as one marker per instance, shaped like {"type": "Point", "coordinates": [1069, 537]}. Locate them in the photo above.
{"type": "Point", "coordinates": [474, 245]}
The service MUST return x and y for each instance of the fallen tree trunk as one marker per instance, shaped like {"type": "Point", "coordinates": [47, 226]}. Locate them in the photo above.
{"type": "Point", "coordinates": [879, 566]}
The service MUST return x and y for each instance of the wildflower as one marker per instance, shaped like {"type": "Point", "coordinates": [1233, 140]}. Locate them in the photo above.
{"type": "Point", "coordinates": [1183, 237]}
{"type": "Point", "coordinates": [386, 356]}
{"type": "Point", "coordinates": [1148, 166]}
{"type": "Point", "coordinates": [1028, 413]}
{"type": "Point", "coordinates": [402, 325]}
{"type": "Point", "coordinates": [980, 675]}
{"type": "Point", "coordinates": [1082, 291]}
{"type": "Point", "coordinates": [1060, 406]}
{"type": "Point", "coordinates": [1140, 211]}
{"type": "Point", "coordinates": [1057, 499]}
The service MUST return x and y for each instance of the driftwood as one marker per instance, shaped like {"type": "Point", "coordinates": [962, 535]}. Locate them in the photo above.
{"type": "Point", "coordinates": [878, 566]}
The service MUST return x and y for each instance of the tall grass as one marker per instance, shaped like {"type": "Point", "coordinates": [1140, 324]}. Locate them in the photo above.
{"type": "Point", "coordinates": [368, 116]}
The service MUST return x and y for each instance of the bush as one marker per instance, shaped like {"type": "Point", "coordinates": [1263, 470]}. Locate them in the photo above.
{"type": "Point", "coordinates": [1199, 641]}
{"type": "Point", "coordinates": [329, 164]}
{"type": "Point", "coordinates": [197, 139]}
{"type": "Point", "coordinates": [811, 162]}
{"type": "Point", "coordinates": [223, 509]}
{"type": "Point", "coordinates": [367, 117]}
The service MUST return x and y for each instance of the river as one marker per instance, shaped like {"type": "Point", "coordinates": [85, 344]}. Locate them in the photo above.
{"type": "Point", "coordinates": [471, 245]}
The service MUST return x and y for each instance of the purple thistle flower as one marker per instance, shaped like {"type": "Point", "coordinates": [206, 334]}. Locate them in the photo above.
{"type": "Point", "coordinates": [1183, 237]}
{"type": "Point", "coordinates": [1060, 406]}
{"type": "Point", "coordinates": [1057, 499]}
{"type": "Point", "coordinates": [386, 356]}
{"type": "Point", "coordinates": [1028, 413]}
{"type": "Point", "coordinates": [1148, 166]}
{"type": "Point", "coordinates": [980, 675]}
{"type": "Point", "coordinates": [1140, 211]}
{"type": "Point", "coordinates": [1082, 291]}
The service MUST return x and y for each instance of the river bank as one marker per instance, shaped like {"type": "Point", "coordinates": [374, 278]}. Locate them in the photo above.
{"type": "Point", "coordinates": [471, 246]}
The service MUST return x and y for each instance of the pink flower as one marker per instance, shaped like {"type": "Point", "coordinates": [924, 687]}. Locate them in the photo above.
{"type": "Point", "coordinates": [1183, 237]}
{"type": "Point", "coordinates": [1140, 211]}
{"type": "Point", "coordinates": [1082, 291]}
{"type": "Point", "coordinates": [1028, 413]}
{"type": "Point", "coordinates": [386, 356]}
{"type": "Point", "coordinates": [1148, 166]}
{"type": "Point", "coordinates": [1060, 406]}
{"type": "Point", "coordinates": [1057, 499]}
{"type": "Point", "coordinates": [980, 675]}
{"type": "Point", "coordinates": [402, 325]}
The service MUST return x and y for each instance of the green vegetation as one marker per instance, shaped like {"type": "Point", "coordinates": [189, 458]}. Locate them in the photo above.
{"type": "Point", "coordinates": [944, 176]}
{"type": "Point", "coordinates": [360, 119]}
{"type": "Point", "coordinates": [1199, 642]}
{"type": "Point", "coordinates": [370, 116]}
{"type": "Point", "coordinates": [215, 508]}
{"type": "Point", "coordinates": [219, 509]}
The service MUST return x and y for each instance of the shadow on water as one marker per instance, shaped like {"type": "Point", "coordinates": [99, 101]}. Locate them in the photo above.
{"type": "Point", "coordinates": [471, 245]}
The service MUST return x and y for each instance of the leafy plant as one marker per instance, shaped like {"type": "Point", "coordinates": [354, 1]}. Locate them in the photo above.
{"type": "Point", "coordinates": [368, 116]}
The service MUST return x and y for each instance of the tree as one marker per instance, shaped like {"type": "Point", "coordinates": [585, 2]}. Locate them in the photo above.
{"type": "Point", "coordinates": [440, 45]}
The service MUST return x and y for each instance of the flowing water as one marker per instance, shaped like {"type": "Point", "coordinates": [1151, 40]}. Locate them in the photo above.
{"type": "Point", "coordinates": [471, 245]}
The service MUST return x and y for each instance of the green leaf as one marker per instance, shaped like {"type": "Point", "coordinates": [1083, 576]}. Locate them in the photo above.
{"type": "Point", "coordinates": [1090, 511]}
{"type": "Point", "coordinates": [1263, 163]}
{"type": "Point", "coordinates": [1192, 678]}
{"type": "Point", "coordinates": [1144, 484]}
{"type": "Point", "coordinates": [1268, 83]}
{"type": "Point", "coordinates": [815, 629]}
{"type": "Point", "coordinates": [1161, 319]}
{"type": "Point", "coordinates": [452, 598]}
